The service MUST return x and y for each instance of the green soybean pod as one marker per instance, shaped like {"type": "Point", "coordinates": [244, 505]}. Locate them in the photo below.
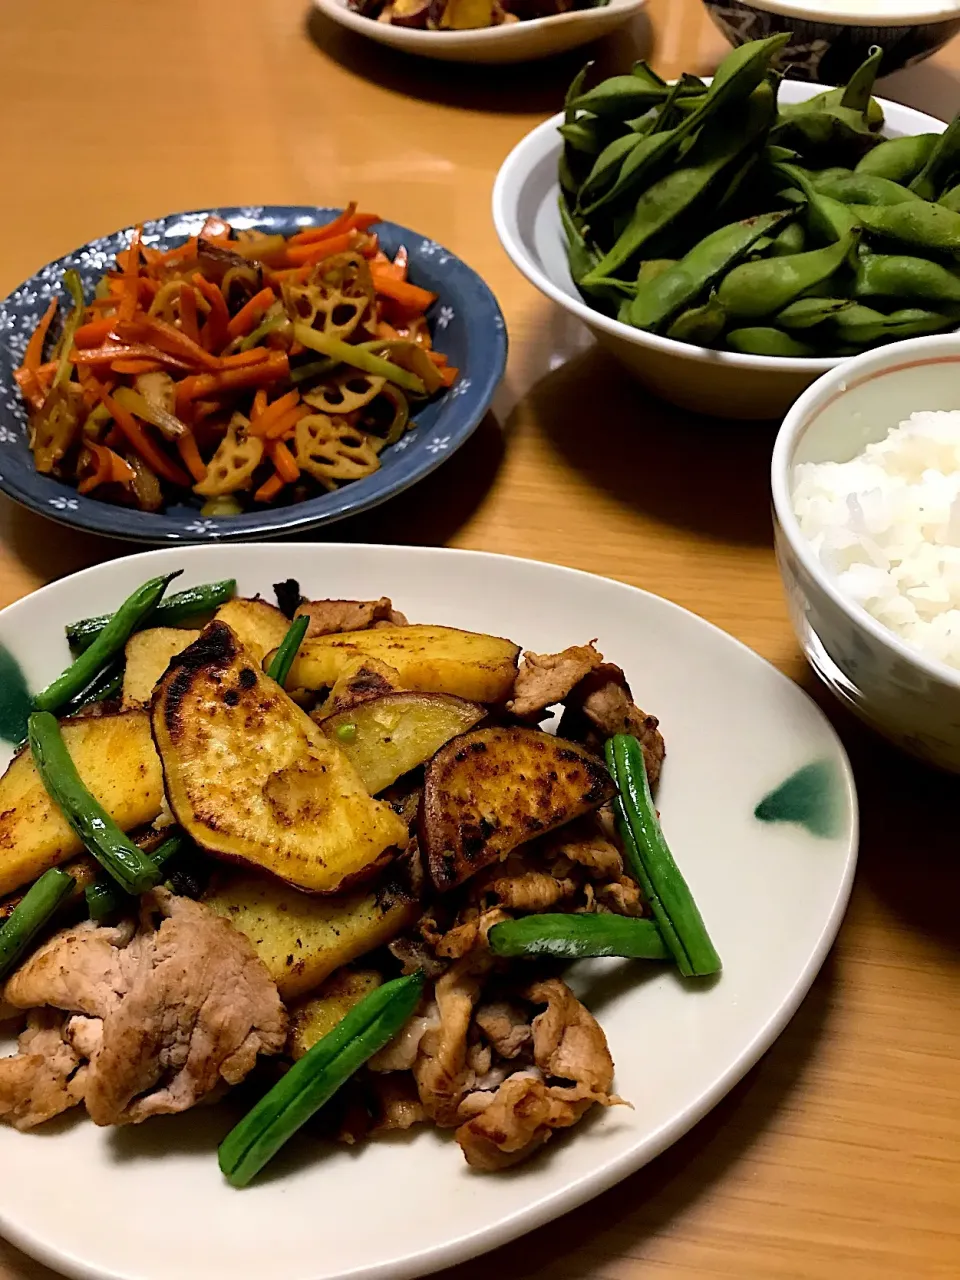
{"type": "Point", "coordinates": [762, 288]}
{"type": "Point", "coordinates": [921, 225]}
{"type": "Point", "coordinates": [579, 254]}
{"type": "Point", "coordinates": [607, 165]}
{"type": "Point", "coordinates": [906, 278]}
{"type": "Point", "coordinates": [584, 136]}
{"type": "Point", "coordinates": [899, 159]}
{"type": "Point", "coordinates": [619, 97]}
{"type": "Point", "coordinates": [862, 188]}
{"type": "Point", "coordinates": [703, 325]}
{"type": "Point", "coordinates": [807, 313]}
{"type": "Point", "coordinates": [951, 199]}
{"type": "Point", "coordinates": [670, 292]}
{"type": "Point", "coordinates": [860, 325]}
{"type": "Point", "coordinates": [942, 163]}
{"type": "Point", "coordinates": [856, 94]}
{"type": "Point", "coordinates": [829, 218]}
{"type": "Point", "coordinates": [791, 239]}
{"type": "Point", "coordinates": [763, 340]}
{"type": "Point", "coordinates": [574, 92]}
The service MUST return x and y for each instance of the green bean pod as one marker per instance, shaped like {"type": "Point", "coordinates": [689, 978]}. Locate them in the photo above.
{"type": "Point", "coordinates": [703, 325]}
{"type": "Point", "coordinates": [108, 684]}
{"type": "Point", "coordinates": [663, 297]}
{"type": "Point", "coordinates": [289, 647]}
{"type": "Point", "coordinates": [36, 908]}
{"type": "Point", "coordinates": [859, 325]}
{"type": "Point", "coordinates": [951, 198]}
{"type": "Point", "coordinates": [862, 188]}
{"type": "Point", "coordinates": [580, 257]}
{"type": "Point", "coordinates": [104, 898]}
{"type": "Point", "coordinates": [791, 239]}
{"type": "Point", "coordinates": [132, 613]}
{"type": "Point", "coordinates": [807, 313]}
{"type": "Point", "coordinates": [941, 165]}
{"type": "Point", "coordinates": [905, 278]}
{"type": "Point", "coordinates": [316, 1077]}
{"type": "Point", "coordinates": [607, 166]}
{"type": "Point", "coordinates": [651, 861]}
{"type": "Point", "coordinates": [764, 340]}
{"type": "Point", "coordinates": [754, 290]}
{"type": "Point", "coordinates": [899, 159]}
{"type": "Point", "coordinates": [920, 225]}
{"type": "Point", "coordinates": [575, 937]}
{"type": "Point", "coordinates": [118, 855]}
{"type": "Point", "coordinates": [170, 612]}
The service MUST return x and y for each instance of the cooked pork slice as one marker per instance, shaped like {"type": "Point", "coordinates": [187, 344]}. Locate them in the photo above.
{"type": "Point", "coordinates": [394, 1103]}
{"type": "Point", "coordinates": [532, 891]}
{"type": "Point", "coordinates": [547, 678]}
{"type": "Point", "coordinates": [621, 897]}
{"type": "Point", "coordinates": [568, 1045]}
{"type": "Point", "coordinates": [470, 934]}
{"type": "Point", "coordinates": [330, 617]}
{"type": "Point", "coordinates": [401, 1053]}
{"type": "Point", "coordinates": [589, 850]}
{"type": "Point", "coordinates": [44, 1078]}
{"type": "Point", "coordinates": [506, 1027]}
{"type": "Point", "coordinates": [168, 1012]}
{"type": "Point", "coordinates": [602, 705]}
{"type": "Point", "coordinates": [441, 1070]}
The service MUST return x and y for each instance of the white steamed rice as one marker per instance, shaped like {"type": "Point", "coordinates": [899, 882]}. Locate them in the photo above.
{"type": "Point", "coordinates": [886, 526]}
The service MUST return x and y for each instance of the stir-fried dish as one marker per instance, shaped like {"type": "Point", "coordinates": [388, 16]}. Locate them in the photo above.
{"type": "Point", "coordinates": [316, 848]}
{"type": "Point", "coordinates": [244, 368]}
{"type": "Point", "coordinates": [465, 15]}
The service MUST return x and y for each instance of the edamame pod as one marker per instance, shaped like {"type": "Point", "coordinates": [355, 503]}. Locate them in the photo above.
{"type": "Point", "coordinates": [754, 290]}
{"type": "Point", "coordinates": [921, 225]}
{"type": "Point", "coordinates": [763, 340]}
{"type": "Point", "coordinates": [942, 163]}
{"type": "Point", "coordinates": [701, 325]}
{"type": "Point", "coordinates": [806, 313]}
{"type": "Point", "coordinates": [861, 188]}
{"type": "Point", "coordinates": [899, 159]}
{"type": "Point", "coordinates": [907, 278]}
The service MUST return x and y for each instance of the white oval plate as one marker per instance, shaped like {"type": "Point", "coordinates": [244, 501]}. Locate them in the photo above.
{"type": "Point", "coordinates": [149, 1203]}
{"type": "Point", "coordinates": [514, 42]}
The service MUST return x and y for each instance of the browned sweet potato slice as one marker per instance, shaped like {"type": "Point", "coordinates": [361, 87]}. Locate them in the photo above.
{"type": "Point", "coordinates": [490, 790]}
{"type": "Point", "coordinates": [252, 778]}
{"type": "Point", "coordinates": [388, 737]}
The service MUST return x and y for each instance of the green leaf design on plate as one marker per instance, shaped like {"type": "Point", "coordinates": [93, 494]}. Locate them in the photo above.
{"type": "Point", "coordinates": [810, 798]}
{"type": "Point", "coordinates": [14, 699]}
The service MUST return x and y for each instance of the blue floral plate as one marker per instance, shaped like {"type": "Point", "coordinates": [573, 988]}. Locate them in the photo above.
{"type": "Point", "coordinates": [467, 327]}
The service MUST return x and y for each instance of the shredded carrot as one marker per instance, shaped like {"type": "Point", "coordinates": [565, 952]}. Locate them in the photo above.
{"type": "Point", "coordinates": [190, 456]}
{"type": "Point", "coordinates": [30, 388]}
{"type": "Point", "coordinates": [299, 255]}
{"type": "Point", "coordinates": [138, 438]}
{"type": "Point", "coordinates": [283, 460]}
{"type": "Point", "coordinates": [249, 315]}
{"type": "Point", "coordinates": [349, 220]}
{"type": "Point", "coordinates": [275, 367]}
{"type": "Point", "coordinates": [270, 488]}
{"type": "Point", "coordinates": [295, 275]}
{"type": "Point", "coordinates": [111, 351]}
{"type": "Point", "coordinates": [135, 367]}
{"type": "Point", "coordinates": [93, 333]}
{"type": "Point", "coordinates": [283, 426]}
{"type": "Point", "coordinates": [448, 375]}
{"type": "Point", "coordinates": [262, 418]}
{"type": "Point", "coordinates": [214, 335]}
{"type": "Point", "coordinates": [259, 402]}
{"type": "Point", "coordinates": [188, 313]}
{"type": "Point", "coordinates": [110, 468]}
{"type": "Point", "coordinates": [167, 338]}
{"type": "Point", "coordinates": [408, 295]}
{"type": "Point", "coordinates": [34, 352]}
{"type": "Point", "coordinates": [131, 282]}
{"type": "Point", "coordinates": [256, 355]}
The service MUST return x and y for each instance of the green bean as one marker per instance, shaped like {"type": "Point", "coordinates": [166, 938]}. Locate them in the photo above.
{"type": "Point", "coordinates": [108, 684]}
{"type": "Point", "coordinates": [316, 1077]}
{"type": "Point", "coordinates": [574, 937]}
{"type": "Point", "coordinates": [170, 612]}
{"type": "Point", "coordinates": [899, 159]}
{"type": "Point", "coordinates": [762, 288]}
{"type": "Point", "coordinates": [703, 325]}
{"type": "Point", "coordinates": [110, 641]}
{"type": "Point", "coordinates": [921, 225]}
{"type": "Point", "coordinates": [117, 854]}
{"type": "Point", "coordinates": [862, 188]}
{"type": "Point", "coordinates": [942, 163]}
{"type": "Point", "coordinates": [104, 898]}
{"type": "Point", "coordinates": [670, 292]}
{"type": "Point", "coordinates": [764, 340]}
{"type": "Point", "coordinates": [279, 668]}
{"type": "Point", "coordinates": [652, 863]}
{"type": "Point", "coordinates": [36, 908]}
{"type": "Point", "coordinates": [717, 146]}
{"type": "Point", "coordinates": [806, 313]}
{"type": "Point", "coordinates": [906, 278]}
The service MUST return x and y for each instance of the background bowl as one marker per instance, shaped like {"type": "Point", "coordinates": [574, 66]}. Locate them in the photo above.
{"type": "Point", "coordinates": [911, 699]}
{"type": "Point", "coordinates": [514, 42]}
{"type": "Point", "coordinates": [723, 383]}
{"type": "Point", "coordinates": [831, 37]}
{"type": "Point", "coordinates": [467, 327]}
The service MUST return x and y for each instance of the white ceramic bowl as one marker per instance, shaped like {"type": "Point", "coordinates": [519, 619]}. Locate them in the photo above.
{"type": "Point", "coordinates": [514, 42]}
{"type": "Point", "coordinates": [726, 384]}
{"type": "Point", "coordinates": [911, 699]}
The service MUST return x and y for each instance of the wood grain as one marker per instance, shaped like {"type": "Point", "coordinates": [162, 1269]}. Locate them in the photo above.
{"type": "Point", "coordinates": [840, 1153]}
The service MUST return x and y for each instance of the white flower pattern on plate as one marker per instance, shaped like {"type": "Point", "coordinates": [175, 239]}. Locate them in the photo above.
{"type": "Point", "coordinates": [405, 441]}
{"type": "Point", "coordinates": [446, 314]}
{"type": "Point", "coordinates": [459, 388]}
{"type": "Point", "coordinates": [430, 249]}
{"type": "Point", "coordinates": [8, 435]}
{"type": "Point", "coordinates": [438, 444]}
{"type": "Point", "coordinates": [64, 504]}
{"type": "Point", "coordinates": [207, 527]}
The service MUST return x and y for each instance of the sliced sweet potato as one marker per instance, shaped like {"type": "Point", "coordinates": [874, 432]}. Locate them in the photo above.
{"type": "Point", "coordinates": [117, 761]}
{"type": "Point", "coordinates": [389, 736]}
{"type": "Point", "coordinates": [491, 790]}
{"type": "Point", "coordinates": [314, 1017]}
{"type": "Point", "coordinates": [253, 780]}
{"type": "Point", "coordinates": [259, 625]}
{"type": "Point", "coordinates": [428, 659]}
{"type": "Point", "coordinates": [361, 680]}
{"type": "Point", "coordinates": [148, 655]}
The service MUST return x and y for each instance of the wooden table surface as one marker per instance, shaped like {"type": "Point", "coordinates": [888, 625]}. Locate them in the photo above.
{"type": "Point", "coordinates": [839, 1155]}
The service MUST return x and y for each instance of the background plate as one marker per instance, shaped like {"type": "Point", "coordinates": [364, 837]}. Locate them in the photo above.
{"type": "Point", "coordinates": [149, 1203]}
{"type": "Point", "coordinates": [466, 324]}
